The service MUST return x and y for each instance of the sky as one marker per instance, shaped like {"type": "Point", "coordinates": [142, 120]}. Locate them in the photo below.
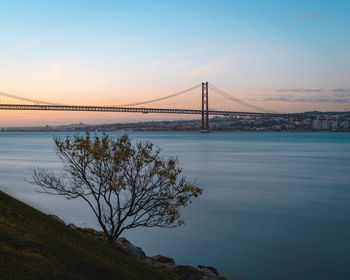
{"type": "Point", "coordinates": [289, 56]}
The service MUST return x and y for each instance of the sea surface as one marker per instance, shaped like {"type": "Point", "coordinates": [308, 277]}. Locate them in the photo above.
{"type": "Point", "coordinates": [274, 206]}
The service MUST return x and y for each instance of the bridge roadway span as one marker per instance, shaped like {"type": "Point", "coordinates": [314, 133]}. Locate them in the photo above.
{"type": "Point", "coordinates": [135, 110]}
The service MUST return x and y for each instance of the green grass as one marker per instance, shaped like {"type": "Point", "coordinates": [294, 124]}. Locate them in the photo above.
{"type": "Point", "coordinates": [35, 246]}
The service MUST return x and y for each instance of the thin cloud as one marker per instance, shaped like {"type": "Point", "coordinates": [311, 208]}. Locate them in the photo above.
{"type": "Point", "coordinates": [308, 99]}
{"type": "Point", "coordinates": [337, 95]}
{"type": "Point", "coordinates": [207, 67]}
{"type": "Point", "coordinates": [23, 46]}
{"type": "Point", "coordinates": [310, 16]}
{"type": "Point", "coordinates": [321, 90]}
{"type": "Point", "coordinates": [27, 44]}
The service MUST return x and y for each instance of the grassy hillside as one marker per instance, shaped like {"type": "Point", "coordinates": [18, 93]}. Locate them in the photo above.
{"type": "Point", "coordinates": [35, 246]}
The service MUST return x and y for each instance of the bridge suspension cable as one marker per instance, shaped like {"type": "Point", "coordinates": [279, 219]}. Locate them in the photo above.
{"type": "Point", "coordinates": [162, 98]}
{"type": "Point", "coordinates": [230, 97]}
{"type": "Point", "coordinates": [27, 99]}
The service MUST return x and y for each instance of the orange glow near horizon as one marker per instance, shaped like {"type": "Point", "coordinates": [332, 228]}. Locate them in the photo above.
{"type": "Point", "coordinates": [42, 118]}
{"type": "Point", "coordinates": [91, 93]}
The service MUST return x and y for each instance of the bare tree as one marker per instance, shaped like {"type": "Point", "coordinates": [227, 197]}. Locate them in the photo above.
{"type": "Point", "coordinates": [125, 185]}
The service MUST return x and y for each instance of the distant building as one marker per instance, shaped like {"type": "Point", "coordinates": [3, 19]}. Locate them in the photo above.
{"type": "Point", "coordinates": [316, 122]}
{"type": "Point", "coordinates": [324, 124]}
{"type": "Point", "coordinates": [328, 122]}
{"type": "Point", "coordinates": [344, 123]}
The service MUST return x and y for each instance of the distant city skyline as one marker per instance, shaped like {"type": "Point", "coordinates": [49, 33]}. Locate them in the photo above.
{"type": "Point", "coordinates": [292, 56]}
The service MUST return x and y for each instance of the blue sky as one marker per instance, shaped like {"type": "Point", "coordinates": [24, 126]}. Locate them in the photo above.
{"type": "Point", "coordinates": [125, 51]}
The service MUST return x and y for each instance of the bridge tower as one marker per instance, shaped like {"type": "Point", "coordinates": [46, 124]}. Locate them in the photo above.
{"type": "Point", "coordinates": [205, 108]}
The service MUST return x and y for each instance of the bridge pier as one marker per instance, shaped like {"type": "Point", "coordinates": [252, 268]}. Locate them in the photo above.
{"type": "Point", "coordinates": [205, 108]}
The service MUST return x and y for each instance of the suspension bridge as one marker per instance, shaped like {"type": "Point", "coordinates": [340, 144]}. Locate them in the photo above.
{"type": "Point", "coordinates": [192, 101]}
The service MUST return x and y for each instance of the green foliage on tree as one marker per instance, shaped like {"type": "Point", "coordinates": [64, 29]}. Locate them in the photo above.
{"type": "Point", "coordinates": [125, 185]}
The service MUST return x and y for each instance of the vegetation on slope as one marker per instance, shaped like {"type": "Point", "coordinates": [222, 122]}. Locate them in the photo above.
{"type": "Point", "coordinates": [35, 246]}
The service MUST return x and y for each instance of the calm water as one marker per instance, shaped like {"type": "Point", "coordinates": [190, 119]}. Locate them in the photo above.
{"type": "Point", "coordinates": [275, 205]}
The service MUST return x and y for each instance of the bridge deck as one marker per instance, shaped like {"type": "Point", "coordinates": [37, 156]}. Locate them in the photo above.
{"type": "Point", "coordinates": [133, 110]}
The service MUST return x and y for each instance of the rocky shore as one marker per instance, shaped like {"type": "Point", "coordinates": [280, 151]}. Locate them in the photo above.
{"type": "Point", "coordinates": [186, 272]}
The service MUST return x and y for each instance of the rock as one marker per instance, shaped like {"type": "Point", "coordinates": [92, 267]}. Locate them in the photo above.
{"type": "Point", "coordinates": [200, 272]}
{"type": "Point", "coordinates": [98, 233]}
{"type": "Point", "coordinates": [131, 249]}
{"type": "Point", "coordinates": [208, 270]}
{"type": "Point", "coordinates": [94, 232]}
{"type": "Point", "coordinates": [56, 218]}
{"type": "Point", "coordinates": [189, 272]}
{"type": "Point", "coordinates": [161, 261]}
{"type": "Point", "coordinates": [185, 272]}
